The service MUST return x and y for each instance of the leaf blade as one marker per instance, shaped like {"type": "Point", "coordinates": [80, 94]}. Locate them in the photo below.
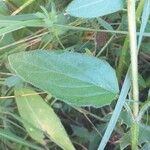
{"type": "Point", "coordinates": [79, 8]}
{"type": "Point", "coordinates": [74, 78]}
{"type": "Point", "coordinates": [35, 111]}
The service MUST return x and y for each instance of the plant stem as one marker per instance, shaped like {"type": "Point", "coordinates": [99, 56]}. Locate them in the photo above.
{"type": "Point", "coordinates": [134, 71]}
{"type": "Point", "coordinates": [124, 58]}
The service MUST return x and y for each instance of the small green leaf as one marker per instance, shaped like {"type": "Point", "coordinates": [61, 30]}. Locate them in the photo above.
{"type": "Point", "coordinates": [94, 8]}
{"type": "Point", "coordinates": [72, 77]}
{"type": "Point", "coordinates": [41, 119]}
{"type": "Point", "coordinates": [126, 118]}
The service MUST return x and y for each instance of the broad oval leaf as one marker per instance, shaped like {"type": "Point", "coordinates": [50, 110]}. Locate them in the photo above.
{"type": "Point", "coordinates": [41, 119]}
{"type": "Point", "coordinates": [94, 8]}
{"type": "Point", "coordinates": [74, 78]}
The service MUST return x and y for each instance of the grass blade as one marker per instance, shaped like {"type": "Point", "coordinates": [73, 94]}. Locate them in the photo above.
{"type": "Point", "coordinates": [117, 111]}
{"type": "Point", "coordinates": [4, 134]}
{"type": "Point", "coordinates": [145, 17]}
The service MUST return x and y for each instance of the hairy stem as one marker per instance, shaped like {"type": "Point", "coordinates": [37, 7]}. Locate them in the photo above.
{"type": "Point", "coordinates": [134, 71]}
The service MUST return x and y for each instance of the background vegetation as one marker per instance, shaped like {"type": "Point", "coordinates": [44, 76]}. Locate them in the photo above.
{"type": "Point", "coordinates": [65, 76]}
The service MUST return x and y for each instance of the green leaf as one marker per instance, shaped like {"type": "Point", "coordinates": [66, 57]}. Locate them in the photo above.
{"type": "Point", "coordinates": [72, 77]}
{"type": "Point", "coordinates": [126, 118]}
{"type": "Point", "coordinates": [94, 8]}
{"type": "Point", "coordinates": [38, 114]}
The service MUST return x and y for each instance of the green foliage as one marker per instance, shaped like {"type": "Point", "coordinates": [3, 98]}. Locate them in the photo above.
{"type": "Point", "coordinates": [6, 134]}
{"type": "Point", "coordinates": [67, 72]}
{"type": "Point", "coordinates": [94, 8]}
{"type": "Point", "coordinates": [143, 138]}
{"type": "Point", "coordinates": [38, 114]}
{"type": "Point", "coordinates": [74, 78]}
